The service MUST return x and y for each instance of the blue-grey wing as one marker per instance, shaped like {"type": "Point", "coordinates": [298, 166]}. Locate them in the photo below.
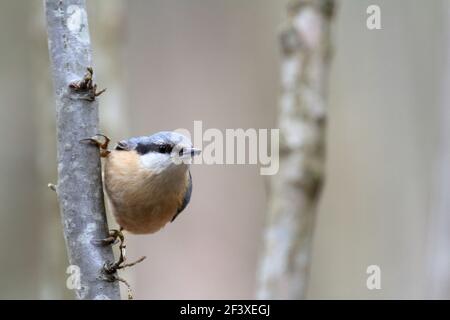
{"type": "Point", "coordinates": [186, 199]}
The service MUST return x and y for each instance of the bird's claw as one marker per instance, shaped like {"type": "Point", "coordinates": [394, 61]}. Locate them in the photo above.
{"type": "Point", "coordinates": [109, 267]}
{"type": "Point", "coordinates": [114, 277]}
{"type": "Point", "coordinates": [116, 235]}
{"type": "Point", "coordinates": [102, 144]}
{"type": "Point", "coordinates": [109, 270]}
{"type": "Point", "coordinates": [86, 86]}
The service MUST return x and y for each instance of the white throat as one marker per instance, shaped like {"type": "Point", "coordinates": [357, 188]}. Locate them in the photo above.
{"type": "Point", "coordinates": [158, 162]}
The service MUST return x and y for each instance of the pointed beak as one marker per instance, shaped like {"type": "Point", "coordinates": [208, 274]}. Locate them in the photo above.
{"type": "Point", "coordinates": [188, 153]}
{"type": "Point", "coordinates": [185, 155]}
{"type": "Point", "coordinates": [192, 151]}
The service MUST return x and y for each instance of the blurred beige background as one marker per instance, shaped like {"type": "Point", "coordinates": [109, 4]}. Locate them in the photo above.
{"type": "Point", "coordinates": [167, 63]}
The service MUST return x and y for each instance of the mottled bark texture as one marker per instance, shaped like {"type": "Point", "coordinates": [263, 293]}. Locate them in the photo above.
{"type": "Point", "coordinates": [79, 185]}
{"type": "Point", "coordinates": [296, 189]}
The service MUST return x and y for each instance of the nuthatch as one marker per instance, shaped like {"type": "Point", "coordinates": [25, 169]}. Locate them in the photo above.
{"type": "Point", "coordinates": [148, 180]}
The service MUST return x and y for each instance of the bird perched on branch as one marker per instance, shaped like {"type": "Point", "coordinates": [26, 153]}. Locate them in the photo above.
{"type": "Point", "coordinates": [147, 180]}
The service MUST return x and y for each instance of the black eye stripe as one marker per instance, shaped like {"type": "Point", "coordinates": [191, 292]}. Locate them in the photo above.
{"type": "Point", "coordinates": [143, 148]}
{"type": "Point", "coordinates": [154, 147]}
{"type": "Point", "coordinates": [164, 148]}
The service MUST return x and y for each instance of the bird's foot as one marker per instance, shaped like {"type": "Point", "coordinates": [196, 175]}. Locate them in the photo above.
{"type": "Point", "coordinates": [115, 277]}
{"type": "Point", "coordinates": [102, 142]}
{"type": "Point", "coordinates": [86, 86]}
{"type": "Point", "coordinates": [114, 236]}
{"type": "Point", "coordinates": [110, 268]}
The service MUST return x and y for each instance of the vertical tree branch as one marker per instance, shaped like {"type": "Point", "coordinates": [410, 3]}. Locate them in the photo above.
{"type": "Point", "coordinates": [295, 190]}
{"type": "Point", "coordinates": [79, 185]}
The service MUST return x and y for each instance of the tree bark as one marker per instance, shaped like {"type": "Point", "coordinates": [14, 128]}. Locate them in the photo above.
{"type": "Point", "coordinates": [79, 187]}
{"type": "Point", "coordinates": [296, 189]}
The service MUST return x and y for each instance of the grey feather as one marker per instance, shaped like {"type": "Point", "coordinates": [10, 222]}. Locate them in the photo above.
{"type": "Point", "coordinates": [145, 144]}
{"type": "Point", "coordinates": [187, 198]}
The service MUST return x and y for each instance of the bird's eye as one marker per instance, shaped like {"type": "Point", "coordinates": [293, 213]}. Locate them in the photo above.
{"type": "Point", "coordinates": [164, 148]}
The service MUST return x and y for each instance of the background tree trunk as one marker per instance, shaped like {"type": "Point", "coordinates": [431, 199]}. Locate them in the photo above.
{"type": "Point", "coordinates": [79, 186]}
{"type": "Point", "coordinates": [296, 189]}
{"type": "Point", "coordinates": [19, 203]}
{"type": "Point", "coordinates": [439, 220]}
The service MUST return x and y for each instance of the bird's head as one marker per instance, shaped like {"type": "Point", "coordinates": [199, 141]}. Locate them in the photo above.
{"type": "Point", "coordinates": [162, 151]}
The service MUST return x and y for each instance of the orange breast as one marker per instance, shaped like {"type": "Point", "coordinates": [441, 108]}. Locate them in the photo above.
{"type": "Point", "coordinates": [142, 202]}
